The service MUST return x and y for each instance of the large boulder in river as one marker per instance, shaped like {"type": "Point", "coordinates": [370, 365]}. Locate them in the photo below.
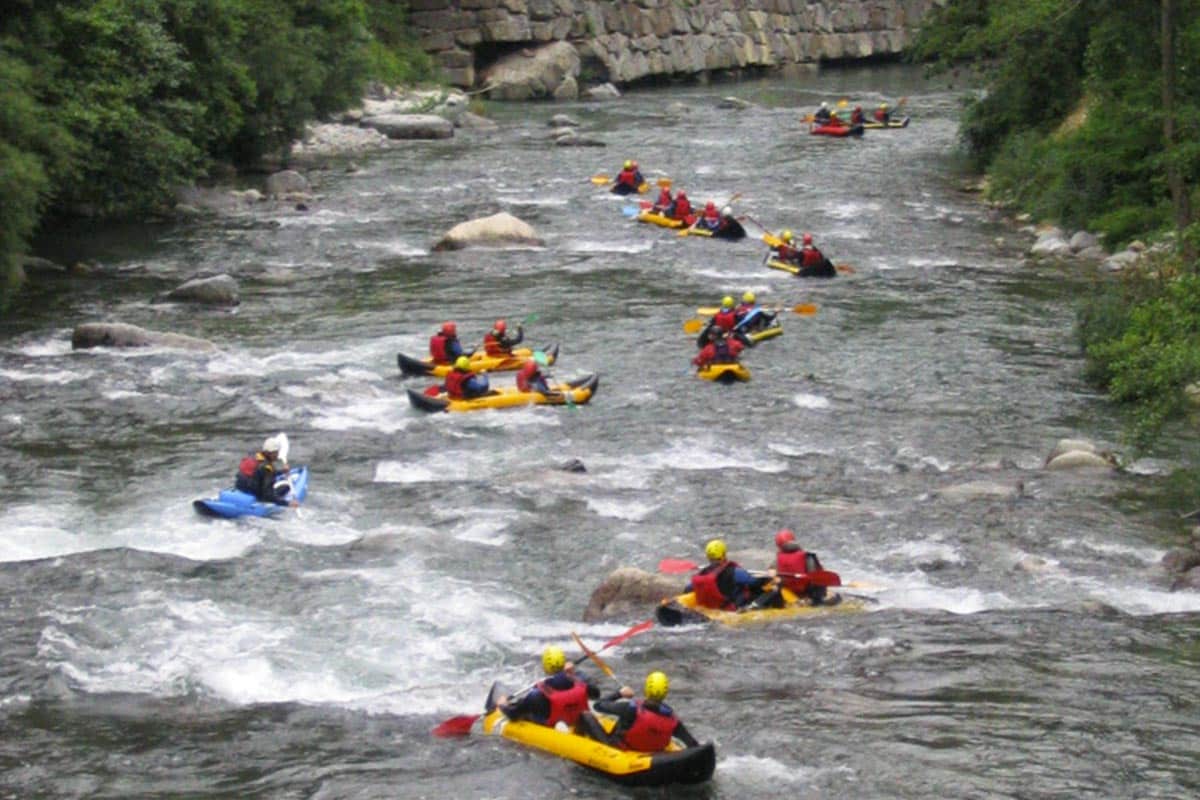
{"type": "Point", "coordinates": [218, 290]}
{"type": "Point", "coordinates": [531, 73]}
{"type": "Point", "coordinates": [120, 334]}
{"type": "Point", "coordinates": [1075, 454]}
{"type": "Point", "coordinates": [411, 126]}
{"type": "Point", "coordinates": [497, 230]}
{"type": "Point", "coordinates": [630, 592]}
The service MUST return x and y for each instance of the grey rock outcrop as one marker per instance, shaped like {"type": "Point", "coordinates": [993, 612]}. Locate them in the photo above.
{"type": "Point", "coordinates": [535, 73]}
{"type": "Point", "coordinates": [120, 334]}
{"type": "Point", "coordinates": [411, 126]}
{"type": "Point", "coordinates": [218, 290]}
{"type": "Point", "coordinates": [629, 592]}
{"type": "Point", "coordinates": [497, 230]}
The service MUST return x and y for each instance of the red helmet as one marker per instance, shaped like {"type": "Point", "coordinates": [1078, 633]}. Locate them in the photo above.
{"type": "Point", "coordinates": [682, 195]}
{"type": "Point", "coordinates": [784, 537]}
{"type": "Point", "coordinates": [500, 326]}
{"type": "Point", "coordinates": [710, 206]}
{"type": "Point", "coordinates": [808, 238]}
{"type": "Point", "coordinates": [449, 329]}
{"type": "Point", "coordinates": [635, 166]}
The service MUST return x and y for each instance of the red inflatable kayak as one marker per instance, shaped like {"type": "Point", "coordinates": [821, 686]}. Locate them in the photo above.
{"type": "Point", "coordinates": [836, 130]}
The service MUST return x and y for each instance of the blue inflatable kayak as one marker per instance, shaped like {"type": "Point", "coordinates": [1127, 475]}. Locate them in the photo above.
{"type": "Point", "coordinates": [231, 503]}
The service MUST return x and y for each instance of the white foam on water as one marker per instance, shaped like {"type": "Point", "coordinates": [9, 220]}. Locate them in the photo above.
{"type": "Point", "coordinates": [39, 374]}
{"type": "Point", "coordinates": [607, 246]}
{"type": "Point", "coordinates": [811, 401]}
{"type": "Point", "coordinates": [768, 776]}
{"type": "Point", "coordinates": [1147, 555]}
{"type": "Point", "coordinates": [58, 345]}
{"type": "Point", "coordinates": [853, 210]}
{"type": "Point", "coordinates": [45, 531]}
{"type": "Point", "coordinates": [399, 247]}
{"type": "Point", "coordinates": [710, 455]}
{"type": "Point", "coordinates": [621, 508]}
{"type": "Point", "coordinates": [920, 550]}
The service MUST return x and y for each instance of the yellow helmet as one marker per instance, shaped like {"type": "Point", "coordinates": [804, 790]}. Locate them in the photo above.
{"type": "Point", "coordinates": [883, 106]}
{"type": "Point", "coordinates": [726, 302]}
{"type": "Point", "coordinates": [715, 550]}
{"type": "Point", "coordinates": [553, 660]}
{"type": "Point", "coordinates": [657, 686]}
{"type": "Point", "coordinates": [748, 297]}
{"type": "Point", "coordinates": [628, 165]}
{"type": "Point", "coordinates": [462, 362]}
{"type": "Point", "coordinates": [786, 236]}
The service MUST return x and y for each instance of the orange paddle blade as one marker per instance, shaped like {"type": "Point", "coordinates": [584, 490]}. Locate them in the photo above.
{"type": "Point", "coordinates": [805, 309]}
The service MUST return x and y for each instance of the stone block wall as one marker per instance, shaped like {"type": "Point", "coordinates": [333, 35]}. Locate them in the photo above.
{"type": "Point", "coordinates": [635, 39]}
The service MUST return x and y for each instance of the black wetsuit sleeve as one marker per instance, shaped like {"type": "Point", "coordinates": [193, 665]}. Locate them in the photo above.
{"type": "Point", "coordinates": [264, 483]}
{"type": "Point", "coordinates": [533, 705]}
{"type": "Point", "coordinates": [685, 736]}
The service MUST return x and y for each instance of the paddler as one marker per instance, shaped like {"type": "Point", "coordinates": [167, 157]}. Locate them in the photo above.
{"type": "Point", "coordinates": [722, 583]}
{"type": "Point", "coordinates": [681, 207]}
{"type": "Point", "coordinates": [792, 566]}
{"type": "Point", "coordinates": [882, 114]}
{"type": "Point", "coordinates": [530, 378]}
{"type": "Point", "coordinates": [264, 475]}
{"type": "Point", "coordinates": [823, 114]}
{"type": "Point", "coordinates": [710, 220]}
{"type": "Point", "coordinates": [664, 201]}
{"type": "Point", "coordinates": [813, 263]}
{"type": "Point", "coordinates": [645, 726]}
{"type": "Point", "coordinates": [750, 315]}
{"type": "Point", "coordinates": [498, 342]}
{"type": "Point", "coordinates": [444, 347]}
{"type": "Point", "coordinates": [629, 179]}
{"type": "Point", "coordinates": [562, 696]}
{"type": "Point", "coordinates": [721, 349]}
{"type": "Point", "coordinates": [785, 251]}
{"type": "Point", "coordinates": [461, 383]}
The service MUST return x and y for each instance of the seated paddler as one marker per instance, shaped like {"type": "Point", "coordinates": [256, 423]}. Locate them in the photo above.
{"type": "Point", "coordinates": [562, 696]}
{"type": "Point", "coordinates": [645, 725]}
{"type": "Point", "coordinates": [723, 583]}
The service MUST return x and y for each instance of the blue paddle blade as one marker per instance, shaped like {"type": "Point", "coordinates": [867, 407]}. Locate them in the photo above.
{"type": "Point", "coordinates": [541, 358]}
{"type": "Point", "coordinates": [631, 210]}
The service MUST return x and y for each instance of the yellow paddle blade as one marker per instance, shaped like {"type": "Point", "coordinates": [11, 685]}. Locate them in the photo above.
{"type": "Point", "coordinates": [693, 325]}
{"type": "Point", "coordinates": [600, 180]}
{"type": "Point", "coordinates": [708, 312]}
{"type": "Point", "coordinates": [663, 183]}
{"type": "Point", "coordinates": [805, 309]}
{"type": "Point", "coordinates": [809, 118]}
{"type": "Point", "coordinates": [846, 269]}
{"type": "Point", "coordinates": [771, 240]}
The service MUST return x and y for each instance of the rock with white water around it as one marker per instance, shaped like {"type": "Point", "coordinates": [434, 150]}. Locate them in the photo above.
{"type": "Point", "coordinates": [411, 126]}
{"type": "Point", "coordinates": [218, 290]}
{"type": "Point", "coordinates": [286, 183]}
{"type": "Point", "coordinates": [629, 593]}
{"type": "Point", "coordinates": [498, 230]}
{"type": "Point", "coordinates": [120, 334]}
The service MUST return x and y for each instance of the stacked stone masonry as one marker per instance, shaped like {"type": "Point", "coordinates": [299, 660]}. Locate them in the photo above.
{"type": "Point", "coordinates": [635, 39]}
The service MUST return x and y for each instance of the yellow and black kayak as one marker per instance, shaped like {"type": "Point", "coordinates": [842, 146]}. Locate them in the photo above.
{"type": "Point", "coordinates": [571, 393]}
{"type": "Point", "coordinates": [826, 270]}
{"type": "Point", "coordinates": [724, 372]}
{"type": "Point", "coordinates": [731, 231]}
{"type": "Point", "coordinates": [651, 217]}
{"type": "Point", "coordinates": [676, 764]}
{"type": "Point", "coordinates": [764, 334]}
{"type": "Point", "coordinates": [480, 362]}
{"type": "Point", "coordinates": [890, 124]}
{"type": "Point", "coordinates": [683, 610]}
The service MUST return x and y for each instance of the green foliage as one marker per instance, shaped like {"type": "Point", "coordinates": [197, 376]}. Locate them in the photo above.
{"type": "Point", "coordinates": [1142, 342]}
{"type": "Point", "coordinates": [108, 105]}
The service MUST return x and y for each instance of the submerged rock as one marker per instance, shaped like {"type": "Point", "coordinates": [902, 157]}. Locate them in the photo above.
{"type": "Point", "coordinates": [120, 334]}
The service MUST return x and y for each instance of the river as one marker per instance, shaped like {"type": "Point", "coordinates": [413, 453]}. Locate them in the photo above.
{"type": "Point", "coordinates": [1023, 644]}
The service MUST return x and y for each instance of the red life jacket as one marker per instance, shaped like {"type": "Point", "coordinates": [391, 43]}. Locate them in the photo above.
{"type": "Point", "coordinates": [881, 115]}
{"type": "Point", "coordinates": [725, 320]}
{"type": "Point", "coordinates": [565, 704]}
{"type": "Point", "coordinates": [794, 561]}
{"type": "Point", "coordinates": [526, 375]}
{"type": "Point", "coordinates": [812, 257]}
{"type": "Point", "coordinates": [664, 198]}
{"type": "Point", "coordinates": [708, 593]}
{"type": "Point", "coordinates": [628, 177]}
{"type": "Point", "coordinates": [249, 465]}
{"type": "Point", "coordinates": [437, 348]}
{"type": "Point", "coordinates": [856, 117]}
{"type": "Point", "coordinates": [706, 356]}
{"type": "Point", "coordinates": [712, 214]}
{"type": "Point", "coordinates": [683, 208]}
{"type": "Point", "coordinates": [650, 732]}
{"type": "Point", "coordinates": [454, 382]}
{"type": "Point", "coordinates": [492, 346]}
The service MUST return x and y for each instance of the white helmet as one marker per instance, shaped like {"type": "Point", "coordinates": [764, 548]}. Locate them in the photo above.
{"type": "Point", "coordinates": [824, 104]}
{"type": "Point", "coordinates": [726, 212]}
{"type": "Point", "coordinates": [272, 444]}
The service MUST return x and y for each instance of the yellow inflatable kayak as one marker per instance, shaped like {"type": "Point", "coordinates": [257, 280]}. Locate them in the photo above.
{"type": "Point", "coordinates": [572, 393]}
{"type": "Point", "coordinates": [480, 362]}
{"type": "Point", "coordinates": [764, 334]}
{"type": "Point", "coordinates": [654, 218]}
{"type": "Point", "coordinates": [683, 610]}
{"type": "Point", "coordinates": [676, 764]}
{"type": "Point", "coordinates": [724, 373]}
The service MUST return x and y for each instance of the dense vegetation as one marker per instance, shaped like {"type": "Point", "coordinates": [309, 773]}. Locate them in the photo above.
{"type": "Point", "coordinates": [107, 105]}
{"type": "Point", "coordinates": [1091, 118]}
